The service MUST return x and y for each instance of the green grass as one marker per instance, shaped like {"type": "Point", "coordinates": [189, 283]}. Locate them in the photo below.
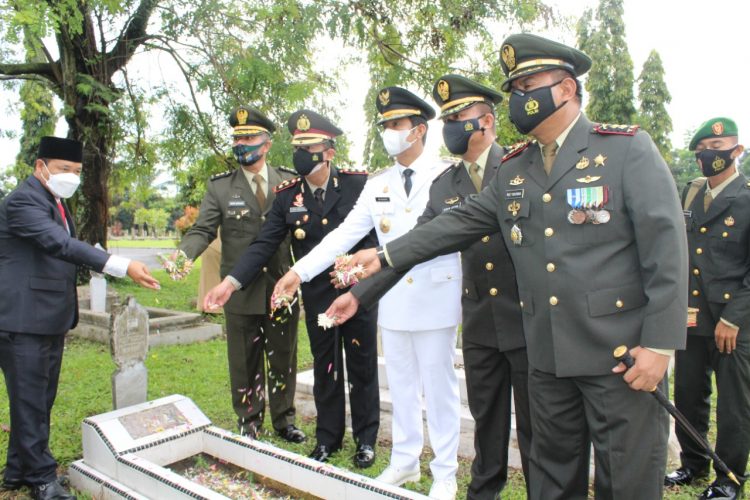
{"type": "Point", "coordinates": [165, 243]}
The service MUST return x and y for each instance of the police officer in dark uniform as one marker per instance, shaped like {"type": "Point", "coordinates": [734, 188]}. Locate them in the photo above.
{"type": "Point", "coordinates": [494, 349]}
{"type": "Point", "coordinates": [308, 207]}
{"type": "Point", "coordinates": [238, 201]}
{"type": "Point", "coordinates": [593, 225]}
{"type": "Point", "coordinates": [717, 219]}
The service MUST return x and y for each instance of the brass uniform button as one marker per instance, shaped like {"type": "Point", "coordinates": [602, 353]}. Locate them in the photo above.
{"type": "Point", "coordinates": [493, 291]}
{"type": "Point", "coordinates": [466, 291]}
{"type": "Point", "coordinates": [485, 239]}
{"type": "Point", "coordinates": [262, 218]}
{"type": "Point", "coordinates": [324, 222]}
{"type": "Point", "coordinates": [727, 296]}
{"type": "Point", "coordinates": [265, 269]}
{"type": "Point", "coordinates": [696, 271]}
{"type": "Point", "coordinates": [703, 230]}
{"type": "Point", "coordinates": [724, 234]}
{"type": "Point", "coordinates": [408, 210]}
{"type": "Point", "coordinates": [546, 197]}
{"type": "Point", "coordinates": [553, 301]}
{"type": "Point", "coordinates": [699, 251]}
{"type": "Point", "coordinates": [619, 304]}
{"type": "Point", "coordinates": [550, 267]}
{"type": "Point", "coordinates": [489, 266]}
{"type": "Point", "coordinates": [299, 234]}
{"type": "Point", "coordinates": [410, 280]}
{"type": "Point", "coordinates": [549, 232]}
{"type": "Point", "coordinates": [521, 304]}
{"type": "Point", "coordinates": [238, 216]}
{"type": "Point", "coordinates": [696, 293]}
{"type": "Point", "coordinates": [297, 223]}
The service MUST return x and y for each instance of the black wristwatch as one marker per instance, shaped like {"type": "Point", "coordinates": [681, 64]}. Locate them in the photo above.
{"type": "Point", "coordinates": [381, 257]}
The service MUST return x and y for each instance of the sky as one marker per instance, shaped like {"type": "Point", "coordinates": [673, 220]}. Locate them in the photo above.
{"type": "Point", "coordinates": [703, 47]}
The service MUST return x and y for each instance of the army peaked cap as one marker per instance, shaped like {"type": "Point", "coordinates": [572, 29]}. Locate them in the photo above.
{"type": "Point", "coordinates": [308, 127]}
{"type": "Point", "coordinates": [396, 102]}
{"type": "Point", "coordinates": [455, 92]}
{"type": "Point", "coordinates": [57, 148]}
{"type": "Point", "coordinates": [524, 54]}
{"type": "Point", "coordinates": [248, 121]}
{"type": "Point", "coordinates": [715, 127]}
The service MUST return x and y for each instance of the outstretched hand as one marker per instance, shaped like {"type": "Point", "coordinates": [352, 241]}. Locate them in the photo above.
{"type": "Point", "coordinates": [218, 295]}
{"type": "Point", "coordinates": [287, 285]}
{"type": "Point", "coordinates": [368, 259]}
{"type": "Point", "coordinates": [138, 272]}
{"type": "Point", "coordinates": [343, 308]}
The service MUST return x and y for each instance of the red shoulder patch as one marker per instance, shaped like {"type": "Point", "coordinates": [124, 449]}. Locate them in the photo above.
{"type": "Point", "coordinates": [609, 129]}
{"type": "Point", "coordinates": [353, 171]}
{"type": "Point", "coordinates": [515, 150]}
{"type": "Point", "coordinates": [287, 184]}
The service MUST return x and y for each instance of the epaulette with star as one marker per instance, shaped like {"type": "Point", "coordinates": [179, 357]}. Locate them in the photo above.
{"type": "Point", "coordinates": [610, 129]}
{"type": "Point", "coordinates": [515, 150]}
{"type": "Point", "coordinates": [353, 171]}
{"type": "Point", "coordinates": [222, 175]}
{"type": "Point", "coordinates": [449, 169]}
{"type": "Point", "coordinates": [287, 184]}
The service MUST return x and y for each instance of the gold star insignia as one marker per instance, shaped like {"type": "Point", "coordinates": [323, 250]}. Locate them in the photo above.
{"type": "Point", "coordinates": [599, 160]}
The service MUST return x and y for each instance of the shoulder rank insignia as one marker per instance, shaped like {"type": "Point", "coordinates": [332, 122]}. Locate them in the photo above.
{"type": "Point", "coordinates": [610, 129]}
{"type": "Point", "coordinates": [515, 150]}
{"type": "Point", "coordinates": [287, 184]}
{"type": "Point", "coordinates": [445, 171]}
{"type": "Point", "coordinates": [353, 171]}
{"type": "Point", "coordinates": [288, 170]}
{"type": "Point", "coordinates": [222, 175]}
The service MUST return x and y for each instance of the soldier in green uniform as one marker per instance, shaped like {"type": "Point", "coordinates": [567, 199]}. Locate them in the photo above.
{"type": "Point", "coordinates": [593, 224]}
{"type": "Point", "coordinates": [494, 350]}
{"type": "Point", "coordinates": [718, 232]}
{"type": "Point", "coordinates": [237, 201]}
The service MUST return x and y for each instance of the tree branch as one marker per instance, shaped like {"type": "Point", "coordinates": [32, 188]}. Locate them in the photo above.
{"type": "Point", "coordinates": [45, 70]}
{"type": "Point", "coordinates": [133, 36]}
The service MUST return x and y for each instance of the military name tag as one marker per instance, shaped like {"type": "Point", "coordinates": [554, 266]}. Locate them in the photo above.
{"type": "Point", "coordinates": [514, 194]}
{"type": "Point", "coordinates": [382, 199]}
{"type": "Point", "coordinates": [297, 209]}
{"type": "Point", "coordinates": [237, 203]}
{"type": "Point", "coordinates": [687, 213]}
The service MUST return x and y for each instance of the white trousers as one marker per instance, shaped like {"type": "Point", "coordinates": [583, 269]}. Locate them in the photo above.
{"type": "Point", "coordinates": [423, 361]}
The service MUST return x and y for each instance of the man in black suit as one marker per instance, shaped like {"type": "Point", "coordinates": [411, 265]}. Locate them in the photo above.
{"type": "Point", "coordinates": [309, 207]}
{"type": "Point", "coordinates": [39, 254]}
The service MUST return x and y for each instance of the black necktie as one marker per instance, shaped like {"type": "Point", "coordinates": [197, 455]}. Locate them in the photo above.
{"type": "Point", "coordinates": [318, 195]}
{"type": "Point", "coordinates": [407, 180]}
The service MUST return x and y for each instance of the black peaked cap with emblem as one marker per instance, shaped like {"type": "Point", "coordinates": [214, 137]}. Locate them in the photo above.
{"type": "Point", "coordinates": [58, 148]}
{"type": "Point", "coordinates": [524, 54]}
{"type": "Point", "coordinates": [248, 121]}
{"type": "Point", "coordinates": [455, 92]}
{"type": "Point", "coordinates": [396, 102]}
{"type": "Point", "coordinates": [308, 128]}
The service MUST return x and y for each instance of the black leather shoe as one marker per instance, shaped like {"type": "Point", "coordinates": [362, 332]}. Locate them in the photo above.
{"type": "Point", "coordinates": [51, 491]}
{"type": "Point", "coordinates": [365, 456]}
{"type": "Point", "coordinates": [248, 431]}
{"type": "Point", "coordinates": [322, 452]}
{"type": "Point", "coordinates": [725, 491]}
{"type": "Point", "coordinates": [14, 484]}
{"type": "Point", "coordinates": [292, 434]}
{"type": "Point", "coordinates": [683, 477]}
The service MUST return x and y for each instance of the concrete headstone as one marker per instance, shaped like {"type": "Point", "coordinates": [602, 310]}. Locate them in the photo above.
{"type": "Point", "coordinates": [129, 345]}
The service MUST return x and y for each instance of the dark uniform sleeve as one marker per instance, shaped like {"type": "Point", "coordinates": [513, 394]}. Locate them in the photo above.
{"type": "Point", "coordinates": [450, 231]}
{"type": "Point", "coordinates": [205, 228]}
{"type": "Point", "coordinates": [261, 250]}
{"type": "Point", "coordinates": [371, 290]}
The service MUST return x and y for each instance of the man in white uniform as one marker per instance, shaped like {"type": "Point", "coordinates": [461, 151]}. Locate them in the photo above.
{"type": "Point", "coordinates": [418, 317]}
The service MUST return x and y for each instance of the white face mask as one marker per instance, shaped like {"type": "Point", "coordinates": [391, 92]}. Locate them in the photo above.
{"type": "Point", "coordinates": [395, 141]}
{"type": "Point", "coordinates": [62, 185]}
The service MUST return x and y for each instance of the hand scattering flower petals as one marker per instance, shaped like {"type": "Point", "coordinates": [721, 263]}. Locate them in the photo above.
{"type": "Point", "coordinates": [325, 322]}
{"type": "Point", "coordinates": [281, 307]}
{"type": "Point", "coordinates": [345, 274]}
{"type": "Point", "coordinates": [177, 265]}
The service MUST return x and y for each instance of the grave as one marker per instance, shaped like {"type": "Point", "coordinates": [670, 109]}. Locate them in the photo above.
{"type": "Point", "coordinates": [126, 453]}
{"type": "Point", "coordinates": [129, 346]}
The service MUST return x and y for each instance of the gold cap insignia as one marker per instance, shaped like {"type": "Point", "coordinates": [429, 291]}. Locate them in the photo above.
{"type": "Point", "coordinates": [582, 163]}
{"type": "Point", "coordinates": [316, 157]}
{"type": "Point", "coordinates": [469, 126]}
{"type": "Point", "coordinates": [589, 179]}
{"type": "Point", "coordinates": [718, 163]}
{"type": "Point", "coordinates": [452, 201]}
{"type": "Point", "coordinates": [384, 97]}
{"type": "Point", "coordinates": [599, 160]}
{"type": "Point", "coordinates": [517, 181]}
{"type": "Point", "coordinates": [514, 207]}
{"type": "Point", "coordinates": [718, 128]}
{"type": "Point", "coordinates": [531, 107]}
{"type": "Point", "coordinates": [729, 221]}
{"type": "Point", "coordinates": [444, 90]}
{"type": "Point", "coordinates": [303, 123]}
{"type": "Point", "coordinates": [242, 116]}
{"type": "Point", "coordinates": [509, 57]}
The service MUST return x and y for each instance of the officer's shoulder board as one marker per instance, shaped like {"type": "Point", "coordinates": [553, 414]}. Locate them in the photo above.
{"type": "Point", "coordinates": [287, 184]}
{"type": "Point", "coordinates": [222, 175]}
{"type": "Point", "coordinates": [377, 172]}
{"type": "Point", "coordinates": [515, 150]}
{"type": "Point", "coordinates": [610, 129]}
{"type": "Point", "coordinates": [287, 170]}
{"type": "Point", "coordinates": [450, 168]}
{"type": "Point", "coordinates": [353, 171]}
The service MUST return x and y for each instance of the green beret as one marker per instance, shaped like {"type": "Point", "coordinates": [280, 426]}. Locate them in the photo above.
{"type": "Point", "coordinates": [395, 102]}
{"type": "Point", "coordinates": [715, 127]}
{"type": "Point", "coordinates": [308, 127]}
{"type": "Point", "coordinates": [455, 92]}
{"type": "Point", "coordinates": [524, 54]}
{"type": "Point", "coordinates": [249, 121]}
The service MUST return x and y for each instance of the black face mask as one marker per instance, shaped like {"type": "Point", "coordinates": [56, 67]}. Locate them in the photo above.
{"type": "Point", "coordinates": [456, 134]}
{"type": "Point", "coordinates": [529, 109]}
{"type": "Point", "coordinates": [714, 161]}
{"type": "Point", "coordinates": [305, 161]}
